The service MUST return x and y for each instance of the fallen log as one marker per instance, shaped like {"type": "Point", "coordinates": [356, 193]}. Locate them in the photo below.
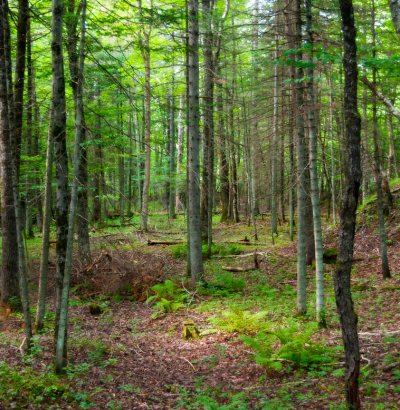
{"type": "Point", "coordinates": [247, 243]}
{"type": "Point", "coordinates": [175, 242]}
{"type": "Point", "coordinates": [237, 269]}
{"type": "Point", "coordinates": [242, 256]}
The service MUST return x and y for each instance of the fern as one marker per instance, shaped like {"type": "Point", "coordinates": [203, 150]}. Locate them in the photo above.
{"type": "Point", "coordinates": [294, 346]}
{"type": "Point", "coordinates": [239, 321]}
{"type": "Point", "coordinates": [168, 298]}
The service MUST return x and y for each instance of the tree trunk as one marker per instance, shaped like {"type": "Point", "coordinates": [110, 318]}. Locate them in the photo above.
{"type": "Point", "coordinates": [395, 11]}
{"type": "Point", "coordinates": [44, 261]}
{"type": "Point", "coordinates": [196, 257]}
{"type": "Point", "coordinates": [222, 160]}
{"type": "Point", "coordinates": [377, 168]}
{"type": "Point", "coordinates": [83, 214]}
{"type": "Point", "coordinates": [179, 154]}
{"type": "Point", "coordinates": [23, 16]}
{"type": "Point", "coordinates": [29, 126]}
{"type": "Point", "coordinates": [208, 115]}
{"type": "Point", "coordinates": [274, 182]}
{"type": "Point", "coordinates": [58, 131]}
{"type": "Point", "coordinates": [172, 181]}
{"type": "Point", "coordinates": [61, 341]}
{"type": "Point", "coordinates": [301, 175]}
{"type": "Point", "coordinates": [98, 161]}
{"type": "Point", "coordinates": [344, 303]}
{"type": "Point", "coordinates": [319, 268]}
{"type": "Point", "coordinates": [144, 40]}
{"type": "Point", "coordinates": [10, 294]}
{"type": "Point", "coordinates": [288, 15]}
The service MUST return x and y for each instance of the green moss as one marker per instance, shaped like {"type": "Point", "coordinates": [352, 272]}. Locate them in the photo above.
{"type": "Point", "coordinates": [95, 309]}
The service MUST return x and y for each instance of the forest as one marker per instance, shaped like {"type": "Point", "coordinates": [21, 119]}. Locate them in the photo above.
{"type": "Point", "coordinates": [200, 204]}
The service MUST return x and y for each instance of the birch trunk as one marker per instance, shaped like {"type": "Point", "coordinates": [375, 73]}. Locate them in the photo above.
{"type": "Point", "coordinates": [319, 268]}
{"type": "Point", "coordinates": [172, 181]}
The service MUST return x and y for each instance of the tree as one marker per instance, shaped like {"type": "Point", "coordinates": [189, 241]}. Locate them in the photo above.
{"type": "Point", "coordinates": [196, 256]}
{"type": "Point", "coordinates": [144, 44]}
{"type": "Point", "coordinates": [344, 303]}
{"type": "Point", "coordinates": [10, 293]}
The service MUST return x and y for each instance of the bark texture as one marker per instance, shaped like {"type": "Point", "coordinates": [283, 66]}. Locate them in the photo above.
{"type": "Point", "coordinates": [9, 278]}
{"type": "Point", "coordinates": [344, 303]}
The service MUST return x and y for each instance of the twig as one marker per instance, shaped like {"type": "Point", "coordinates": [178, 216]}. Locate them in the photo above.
{"type": "Point", "coordinates": [186, 360]}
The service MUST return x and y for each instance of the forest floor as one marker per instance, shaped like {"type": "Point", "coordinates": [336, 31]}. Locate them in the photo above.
{"type": "Point", "coordinates": [124, 358]}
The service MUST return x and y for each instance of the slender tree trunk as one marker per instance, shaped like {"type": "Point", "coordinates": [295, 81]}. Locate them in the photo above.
{"type": "Point", "coordinates": [377, 168]}
{"type": "Point", "coordinates": [222, 160]}
{"type": "Point", "coordinates": [44, 261]}
{"type": "Point", "coordinates": [179, 154]}
{"type": "Point", "coordinates": [365, 168]}
{"type": "Point", "coordinates": [144, 39]}
{"type": "Point", "coordinates": [10, 294]}
{"type": "Point", "coordinates": [172, 182]}
{"type": "Point", "coordinates": [35, 152]}
{"type": "Point", "coordinates": [208, 115]}
{"type": "Point", "coordinates": [61, 342]}
{"type": "Point", "coordinates": [344, 303]}
{"type": "Point", "coordinates": [301, 174]}
{"type": "Point", "coordinates": [58, 131]}
{"type": "Point", "coordinates": [98, 161]}
{"type": "Point", "coordinates": [274, 182]}
{"type": "Point", "coordinates": [83, 214]}
{"type": "Point", "coordinates": [29, 126]}
{"type": "Point", "coordinates": [333, 174]}
{"type": "Point", "coordinates": [288, 15]}
{"type": "Point", "coordinates": [23, 16]}
{"type": "Point", "coordinates": [254, 121]}
{"type": "Point", "coordinates": [319, 269]}
{"type": "Point", "coordinates": [196, 257]}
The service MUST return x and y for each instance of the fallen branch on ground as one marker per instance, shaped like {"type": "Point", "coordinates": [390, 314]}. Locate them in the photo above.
{"type": "Point", "coordinates": [175, 242]}
{"type": "Point", "coordinates": [242, 256]}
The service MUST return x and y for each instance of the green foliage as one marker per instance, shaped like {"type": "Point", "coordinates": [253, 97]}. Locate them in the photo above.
{"type": "Point", "coordinates": [180, 251]}
{"type": "Point", "coordinates": [168, 298]}
{"type": "Point", "coordinates": [239, 321]}
{"type": "Point", "coordinates": [24, 386]}
{"type": "Point", "coordinates": [230, 281]}
{"type": "Point", "coordinates": [289, 343]}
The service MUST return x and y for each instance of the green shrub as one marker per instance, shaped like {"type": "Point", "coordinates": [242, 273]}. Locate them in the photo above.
{"type": "Point", "coordinates": [295, 346]}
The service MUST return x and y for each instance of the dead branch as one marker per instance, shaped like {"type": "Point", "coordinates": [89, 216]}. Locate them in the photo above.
{"type": "Point", "coordinates": [175, 242]}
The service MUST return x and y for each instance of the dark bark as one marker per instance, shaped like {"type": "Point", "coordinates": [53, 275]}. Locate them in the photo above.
{"type": "Point", "coordinates": [208, 116]}
{"type": "Point", "coordinates": [60, 153]}
{"type": "Point", "coordinates": [9, 278]}
{"type": "Point", "coordinates": [82, 211]}
{"type": "Point", "coordinates": [23, 15]}
{"type": "Point", "coordinates": [344, 303]}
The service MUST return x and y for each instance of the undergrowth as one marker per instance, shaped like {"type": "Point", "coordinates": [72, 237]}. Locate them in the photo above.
{"type": "Point", "coordinates": [180, 251]}
{"type": "Point", "coordinates": [168, 298]}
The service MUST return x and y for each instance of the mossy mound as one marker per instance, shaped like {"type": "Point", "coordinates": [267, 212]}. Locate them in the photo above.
{"type": "Point", "coordinates": [95, 309]}
{"type": "Point", "coordinates": [330, 255]}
